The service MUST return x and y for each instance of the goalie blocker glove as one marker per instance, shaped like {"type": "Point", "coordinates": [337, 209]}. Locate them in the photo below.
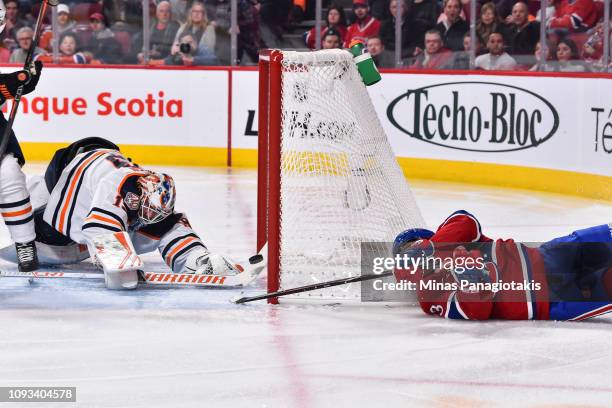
{"type": "Point", "coordinates": [9, 83]}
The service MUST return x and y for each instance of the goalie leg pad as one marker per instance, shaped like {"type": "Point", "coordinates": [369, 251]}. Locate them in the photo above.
{"type": "Point", "coordinates": [121, 280]}
{"type": "Point", "coordinates": [116, 255]}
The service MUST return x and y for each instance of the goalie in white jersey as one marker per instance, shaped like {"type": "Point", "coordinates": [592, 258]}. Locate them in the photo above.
{"type": "Point", "coordinates": [91, 190]}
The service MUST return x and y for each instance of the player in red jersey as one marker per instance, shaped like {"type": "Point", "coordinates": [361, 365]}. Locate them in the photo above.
{"type": "Point", "coordinates": [463, 274]}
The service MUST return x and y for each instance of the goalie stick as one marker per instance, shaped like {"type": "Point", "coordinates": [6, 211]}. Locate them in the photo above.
{"type": "Point", "coordinates": [26, 66]}
{"type": "Point", "coordinates": [314, 286]}
{"type": "Point", "coordinates": [245, 278]}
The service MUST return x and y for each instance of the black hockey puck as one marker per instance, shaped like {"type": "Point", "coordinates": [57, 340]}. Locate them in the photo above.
{"type": "Point", "coordinates": [255, 259]}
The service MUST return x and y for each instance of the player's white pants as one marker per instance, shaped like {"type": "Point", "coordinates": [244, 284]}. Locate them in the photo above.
{"type": "Point", "coordinates": [15, 201]}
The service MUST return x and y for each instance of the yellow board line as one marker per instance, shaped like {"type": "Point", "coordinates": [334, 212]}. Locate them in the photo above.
{"type": "Point", "coordinates": [501, 175]}
{"type": "Point", "coordinates": [554, 181]}
{"type": "Point", "coordinates": [171, 155]}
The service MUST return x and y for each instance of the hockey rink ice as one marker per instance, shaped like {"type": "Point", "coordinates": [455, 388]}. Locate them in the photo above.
{"type": "Point", "coordinates": [190, 347]}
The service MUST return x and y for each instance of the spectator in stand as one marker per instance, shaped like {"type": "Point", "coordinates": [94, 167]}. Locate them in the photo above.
{"type": "Point", "coordinates": [5, 54]}
{"type": "Point", "coordinates": [161, 33]}
{"type": "Point", "coordinates": [462, 58]}
{"type": "Point", "coordinates": [126, 14]}
{"type": "Point", "coordinates": [412, 33]}
{"type": "Point", "coordinates": [64, 24]}
{"type": "Point", "coordinates": [424, 13]}
{"type": "Point", "coordinates": [68, 54]}
{"type": "Point", "coordinates": [214, 8]}
{"type": "Point", "coordinates": [335, 19]}
{"type": "Point", "coordinates": [331, 40]}
{"type": "Point", "coordinates": [549, 10]}
{"type": "Point", "coordinates": [219, 15]}
{"type": "Point", "coordinates": [488, 22]}
{"type": "Point", "coordinates": [249, 35]}
{"type": "Point", "coordinates": [13, 23]}
{"type": "Point", "coordinates": [24, 39]}
{"type": "Point", "coordinates": [180, 9]}
{"type": "Point", "coordinates": [102, 44]}
{"type": "Point", "coordinates": [453, 27]}
{"type": "Point", "coordinates": [435, 56]}
{"type": "Point", "coordinates": [540, 65]}
{"type": "Point", "coordinates": [274, 19]}
{"type": "Point", "coordinates": [574, 15]}
{"type": "Point", "coordinates": [190, 53]}
{"type": "Point", "coordinates": [298, 8]}
{"type": "Point", "coordinates": [496, 58]}
{"type": "Point", "coordinates": [382, 58]}
{"type": "Point", "coordinates": [380, 9]}
{"type": "Point", "coordinates": [568, 59]}
{"type": "Point", "coordinates": [198, 26]}
{"type": "Point", "coordinates": [503, 8]}
{"type": "Point", "coordinates": [593, 47]}
{"type": "Point", "coordinates": [364, 27]}
{"type": "Point", "coordinates": [522, 34]}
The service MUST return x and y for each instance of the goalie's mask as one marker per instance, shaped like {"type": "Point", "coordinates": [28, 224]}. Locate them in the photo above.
{"type": "Point", "coordinates": [157, 197]}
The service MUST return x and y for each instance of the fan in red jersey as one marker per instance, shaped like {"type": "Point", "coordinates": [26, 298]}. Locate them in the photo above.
{"type": "Point", "coordinates": [463, 274]}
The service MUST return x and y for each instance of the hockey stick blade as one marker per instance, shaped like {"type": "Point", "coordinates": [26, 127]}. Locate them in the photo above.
{"type": "Point", "coordinates": [314, 286]}
{"type": "Point", "coordinates": [257, 263]}
{"type": "Point", "coordinates": [52, 274]}
{"type": "Point", "coordinates": [191, 279]}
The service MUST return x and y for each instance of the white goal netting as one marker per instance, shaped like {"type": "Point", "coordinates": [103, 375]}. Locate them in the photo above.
{"type": "Point", "coordinates": [340, 183]}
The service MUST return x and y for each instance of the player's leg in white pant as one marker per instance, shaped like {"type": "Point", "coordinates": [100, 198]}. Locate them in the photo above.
{"type": "Point", "coordinates": [17, 212]}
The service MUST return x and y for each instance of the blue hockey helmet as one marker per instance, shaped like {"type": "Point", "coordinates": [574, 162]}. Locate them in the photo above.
{"type": "Point", "coordinates": [404, 239]}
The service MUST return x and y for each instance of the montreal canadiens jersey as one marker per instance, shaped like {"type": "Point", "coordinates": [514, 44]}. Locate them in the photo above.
{"type": "Point", "coordinates": [515, 263]}
{"type": "Point", "coordinates": [97, 193]}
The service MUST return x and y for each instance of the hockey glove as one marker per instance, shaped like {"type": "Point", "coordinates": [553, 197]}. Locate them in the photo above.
{"type": "Point", "coordinates": [9, 83]}
{"type": "Point", "coordinates": [35, 70]}
{"type": "Point", "coordinates": [470, 268]}
{"type": "Point", "coordinates": [207, 263]}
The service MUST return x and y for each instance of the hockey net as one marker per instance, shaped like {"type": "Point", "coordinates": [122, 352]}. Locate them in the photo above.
{"type": "Point", "coordinates": [328, 180]}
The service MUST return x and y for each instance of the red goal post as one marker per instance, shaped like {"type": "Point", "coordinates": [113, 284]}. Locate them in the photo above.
{"type": "Point", "coordinates": [268, 183]}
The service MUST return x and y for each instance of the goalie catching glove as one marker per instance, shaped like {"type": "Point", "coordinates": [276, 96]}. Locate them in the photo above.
{"type": "Point", "coordinates": [202, 262]}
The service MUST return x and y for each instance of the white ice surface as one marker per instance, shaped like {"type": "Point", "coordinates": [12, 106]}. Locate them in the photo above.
{"type": "Point", "coordinates": [192, 348]}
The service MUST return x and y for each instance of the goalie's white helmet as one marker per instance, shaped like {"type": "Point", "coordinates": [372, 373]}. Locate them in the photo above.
{"type": "Point", "coordinates": [157, 197]}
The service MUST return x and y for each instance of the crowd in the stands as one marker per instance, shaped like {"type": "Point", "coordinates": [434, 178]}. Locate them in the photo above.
{"type": "Point", "coordinates": [435, 34]}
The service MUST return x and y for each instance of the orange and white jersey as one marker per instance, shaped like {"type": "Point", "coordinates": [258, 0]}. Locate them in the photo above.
{"type": "Point", "coordinates": [97, 193]}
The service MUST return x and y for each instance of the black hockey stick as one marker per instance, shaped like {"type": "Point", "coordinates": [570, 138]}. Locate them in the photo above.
{"type": "Point", "coordinates": [26, 66]}
{"type": "Point", "coordinates": [314, 286]}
